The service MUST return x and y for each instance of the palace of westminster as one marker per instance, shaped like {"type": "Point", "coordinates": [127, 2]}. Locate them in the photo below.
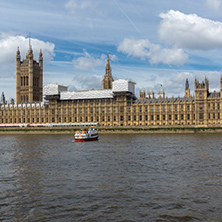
{"type": "Point", "coordinates": [113, 105]}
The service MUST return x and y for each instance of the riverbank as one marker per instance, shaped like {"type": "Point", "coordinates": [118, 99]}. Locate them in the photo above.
{"type": "Point", "coordinates": [111, 130]}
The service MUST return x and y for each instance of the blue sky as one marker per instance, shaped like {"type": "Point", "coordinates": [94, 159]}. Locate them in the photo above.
{"type": "Point", "coordinates": [149, 42]}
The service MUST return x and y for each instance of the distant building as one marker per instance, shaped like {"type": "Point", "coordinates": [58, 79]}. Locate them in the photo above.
{"type": "Point", "coordinates": [113, 105]}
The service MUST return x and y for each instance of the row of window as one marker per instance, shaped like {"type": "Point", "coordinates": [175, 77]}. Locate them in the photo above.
{"type": "Point", "coordinates": [129, 109]}
{"type": "Point", "coordinates": [65, 112]}
{"type": "Point", "coordinates": [24, 81]}
{"type": "Point", "coordinates": [121, 118]}
{"type": "Point", "coordinates": [24, 112]}
{"type": "Point", "coordinates": [24, 98]}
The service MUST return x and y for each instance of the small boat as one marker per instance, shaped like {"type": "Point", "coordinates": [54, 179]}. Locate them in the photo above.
{"type": "Point", "coordinates": [86, 135]}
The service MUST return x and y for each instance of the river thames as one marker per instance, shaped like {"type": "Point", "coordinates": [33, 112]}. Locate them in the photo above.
{"type": "Point", "coordinates": [121, 177]}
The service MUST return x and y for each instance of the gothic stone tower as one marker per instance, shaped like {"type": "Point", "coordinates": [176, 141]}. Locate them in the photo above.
{"type": "Point", "coordinates": [107, 79]}
{"type": "Point", "coordinates": [29, 78]}
{"type": "Point", "coordinates": [201, 94]}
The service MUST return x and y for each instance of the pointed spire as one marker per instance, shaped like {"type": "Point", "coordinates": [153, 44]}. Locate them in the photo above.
{"type": "Point", "coordinates": [108, 79]}
{"type": "Point", "coordinates": [3, 98]}
{"type": "Point", "coordinates": [18, 57]}
{"type": "Point", "coordinates": [107, 58]}
{"type": "Point", "coordinates": [30, 46]}
{"type": "Point", "coordinates": [18, 52]}
{"type": "Point", "coordinates": [40, 54]}
{"type": "Point", "coordinates": [187, 84]}
{"type": "Point", "coordinates": [30, 52]}
{"type": "Point", "coordinates": [108, 68]}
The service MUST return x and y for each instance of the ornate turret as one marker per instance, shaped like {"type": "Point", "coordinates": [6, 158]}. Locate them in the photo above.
{"type": "Point", "coordinates": [150, 94]}
{"type": "Point", "coordinates": [40, 58]}
{"type": "Point", "coordinates": [142, 95]}
{"type": "Point", "coordinates": [30, 53]}
{"type": "Point", "coordinates": [18, 54]}
{"type": "Point", "coordinates": [161, 94]}
{"type": "Point", "coordinates": [3, 98]}
{"type": "Point", "coordinates": [40, 54]}
{"type": "Point", "coordinates": [107, 79]}
{"type": "Point", "coordinates": [187, 89]}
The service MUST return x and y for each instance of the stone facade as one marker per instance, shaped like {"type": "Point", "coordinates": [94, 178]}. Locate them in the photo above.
{"type": "Point", "coordinates": [114, 105]}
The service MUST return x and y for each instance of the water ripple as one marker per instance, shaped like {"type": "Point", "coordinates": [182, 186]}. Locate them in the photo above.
{"type": "Point", "coordinates": [119, 178]}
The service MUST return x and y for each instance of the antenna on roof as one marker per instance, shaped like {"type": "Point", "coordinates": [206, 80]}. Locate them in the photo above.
{"type": "Point", "coordinates": [29, 40]}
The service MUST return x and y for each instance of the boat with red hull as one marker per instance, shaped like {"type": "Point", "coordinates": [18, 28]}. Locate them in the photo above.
{"type": "Point", "coordinates": [86, 135]}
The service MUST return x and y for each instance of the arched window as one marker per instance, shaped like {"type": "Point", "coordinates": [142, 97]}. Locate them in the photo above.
{"type": "Point", "coordinates": [21, 98]}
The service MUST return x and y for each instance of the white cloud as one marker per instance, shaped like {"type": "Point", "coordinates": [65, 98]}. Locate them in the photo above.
{"type": "Point", "coordinates": [176, 84]}
{"type": "Point", "coordinates": [190, 31]}
{"type": "Point", "coordinates": [8, 48]}
{"type": "Point", "coordinates": [82, 81]}
{"type": "Point", "coordinates": [214, 4]}
{"type": "Point", "coordinates": [74, 6]}
{"type": "Point", "coordinates": [87, 62]}
{"type": "Point", "coordinates": [143, 49]}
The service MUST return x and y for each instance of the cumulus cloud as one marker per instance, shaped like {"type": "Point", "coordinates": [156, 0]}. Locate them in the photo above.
{"type": "Point", "coordinates": [143, 49]}
{"type": "Point", "coordinates": [214, 4]}
{"type": "Point", "coordinates": [8, 48]}
{"type": "Point", "coordinates": [88, 62]}
{"type": "Point", "coordinates": [176, 84]}
{"type": "Point", "coordinates": [190, 31]}
{"type": "Point", "coordinates": [82, 81]}
{"type": "Point", "coordinates": [9, 44]}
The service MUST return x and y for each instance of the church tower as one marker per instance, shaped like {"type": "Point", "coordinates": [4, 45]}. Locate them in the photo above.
{"type": "Point", "coordinates": [187, 89]}
{"type": "Point", "coordinates": [29, 78]}
{"type": "Point", "coordinates": [107, 79]}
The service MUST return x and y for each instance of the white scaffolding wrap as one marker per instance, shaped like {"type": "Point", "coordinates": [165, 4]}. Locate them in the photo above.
{"type": "Point", "coordinates": [87, 94]}
{"type": "Point", "coordinates": [122, 85]}
{"type": "Point", "coordinates": [118, 86]}
{"type": "Point", "coordinates": [54, 89]}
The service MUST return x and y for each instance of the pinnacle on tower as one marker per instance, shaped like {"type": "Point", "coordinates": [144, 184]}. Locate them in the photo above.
{"type": "Point", "coordinates": [108, 68]}
{"type": "Point", "coordinates": [187, 89]}
{"type": "Point", "coordinates": [18, 52]}
{"type": "Point", "coordinates": [18, 55]}
{"type": "Point", "coordinates": [3, 98]}
{"type": "Point", "coordinates": [30, 46]}
{"type": "Point", "coordinates": [40, 53]}
{"type": "Point", "coordinates": [187, 85]}
{"type": "Point", "coordinates": [107, 57]}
